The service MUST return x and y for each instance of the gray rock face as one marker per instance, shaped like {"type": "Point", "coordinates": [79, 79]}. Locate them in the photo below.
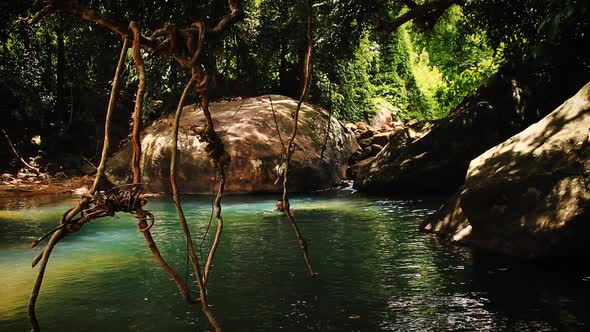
{"type": "Point", "coordinates": [423, 159]}
{"type": "Point", "coordinates": [248, 131]}
{"type": "Point", "coordinates": [529, 196]}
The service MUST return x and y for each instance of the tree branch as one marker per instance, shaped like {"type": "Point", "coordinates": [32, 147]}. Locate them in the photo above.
{"type": "Point", "coordinates": [17, 155]}
{"type": "Point", "coordinates": [136, 158]}
{"type": "Point", "coordinates": [410, 3]}
{"type": "Point", "coordinates": [429, 11]}
{"type": "Point", "coordinates": [233, 15]}
{"type": "Point", "coordinates": [90, 15]}
{"type": "Point", "coordinates": [47, 10]}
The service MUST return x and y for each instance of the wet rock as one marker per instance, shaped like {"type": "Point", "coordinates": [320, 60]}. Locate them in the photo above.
{"type": "Point", "coordinates": [7, 177]}
{"type": "Point", "coordinates": [397, 125]}
{"type": "Point", "coordinates": [250, 137]}
{"type": "Point", "coordinates": [530, 195]}
{"type": "Point", "coordinates": [362, 126]}
{"type": "Point", "coordinates": [365, 153]}
{"type": "Point", "coordinates": [61, 175]}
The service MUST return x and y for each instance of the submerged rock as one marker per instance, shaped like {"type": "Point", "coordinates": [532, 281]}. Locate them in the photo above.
{"type": "Point", "coordinates": [250, 136]}
{"type": "Point", "coordinates": [434, 158]}
{"type": "Point", "coordinates": [529, 196]}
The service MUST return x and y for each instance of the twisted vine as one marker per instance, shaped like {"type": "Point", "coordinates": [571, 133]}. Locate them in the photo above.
{"type": "Point", "coordinates": [141, 221]}
{"type": "Point", "coordinates": [71, 225]}
{"type": "Point", "coordinates": [291, 140]}
{"type": "Point", "coordinates": [167, 41]}
{"type": "Point", "coordinates": [186, 47]}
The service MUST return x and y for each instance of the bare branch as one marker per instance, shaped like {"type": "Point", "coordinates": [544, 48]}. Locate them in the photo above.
{"type": "Point", "coordinates": [430, 11]}
{"type": "Point", "coordinates": [90, 15]}
{"type": "Point", "coordinates": [45, 11]}
{"type": "Point", "coordinates": [410, 3]}
{"type": "Point", "coordinates": [16, 153]}
{"type": "Point", "coordinates": [233, 15]}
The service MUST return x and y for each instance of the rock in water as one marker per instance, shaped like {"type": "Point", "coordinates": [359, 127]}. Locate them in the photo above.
{"type": "Point", "coordinates": [250, 136]}
{"type": "Point", "coordinates": [529, 196]}
{"type": "Point", "coordinates": [435, 159]}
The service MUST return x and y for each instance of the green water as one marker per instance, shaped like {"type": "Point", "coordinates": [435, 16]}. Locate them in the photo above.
{"type": "Point", "coordinates": [376, 272]}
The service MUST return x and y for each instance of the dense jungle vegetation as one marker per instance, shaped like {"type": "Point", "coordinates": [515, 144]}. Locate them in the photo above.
{"type": "Point", "coordinates": [55, 75]}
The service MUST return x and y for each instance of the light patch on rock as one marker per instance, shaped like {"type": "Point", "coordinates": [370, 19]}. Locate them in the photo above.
{"type": "Point", "coordinates": [248, 131]}
{"type": "Point", "coordinates": [463, 233]}
{"type": "Point", "coordinates": [256, 163]}
{"type": "Point", "coordinates": [154, 146]}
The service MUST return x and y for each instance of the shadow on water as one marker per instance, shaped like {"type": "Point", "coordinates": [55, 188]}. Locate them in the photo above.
{"type": "Point", "coordinates": [376, 272]}
{"type": "Point", "coordinates": [549, 291]}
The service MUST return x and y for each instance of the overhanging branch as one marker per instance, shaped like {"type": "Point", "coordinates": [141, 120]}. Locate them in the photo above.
{"type": "Point", "coordinates": [233, 15]}
{"type": "Point", "coordinates": [429, 12]}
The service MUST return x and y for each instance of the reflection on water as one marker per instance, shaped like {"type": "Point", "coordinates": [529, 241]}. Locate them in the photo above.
{"type": "Point", "coordinates": [376, 272]}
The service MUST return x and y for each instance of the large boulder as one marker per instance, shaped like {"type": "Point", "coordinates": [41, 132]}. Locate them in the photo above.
{"type": "Point", "coordinates": [435, 159]}
{"type": "Point", "coordinates": [251, 138]}
{"type": "Point", "coordinates": [529, 196]}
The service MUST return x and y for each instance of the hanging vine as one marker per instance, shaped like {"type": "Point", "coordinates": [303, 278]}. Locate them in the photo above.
{"type": "Point", "coordinates": [186, 47]}
{"type": "Point", "coordinates": [93, 205]}
{"type": "Point", "coordinates": [166, 41]}
{"type": "Point", "coordinates": [291, 141]}
{"type": "Point", "coordinates": [136, 158]}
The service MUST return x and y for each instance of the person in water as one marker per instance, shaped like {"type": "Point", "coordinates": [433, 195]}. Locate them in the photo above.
{"type": "Point", "coordinates": [281, 207]}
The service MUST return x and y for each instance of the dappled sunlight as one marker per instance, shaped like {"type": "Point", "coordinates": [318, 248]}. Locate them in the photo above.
{"type": "Point", "coordinates": [64, 270]}
{"type": "Point", "coordinates": [254, 132]}
{"type": "Point", "coordinates": [527, 196]}
{"type": "Point", "coordinates": [328, 131]}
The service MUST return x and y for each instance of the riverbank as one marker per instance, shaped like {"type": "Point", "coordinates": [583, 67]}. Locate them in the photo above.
{"type": "Point", "coordinates": [42, 190]}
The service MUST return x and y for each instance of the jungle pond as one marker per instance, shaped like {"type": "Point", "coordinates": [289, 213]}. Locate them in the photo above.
{"type": "Point", "coordinates": [376, 273]}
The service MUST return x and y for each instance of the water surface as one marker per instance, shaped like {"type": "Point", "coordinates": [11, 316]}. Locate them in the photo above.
{"type": "Point", "coordinates": [376, 272]}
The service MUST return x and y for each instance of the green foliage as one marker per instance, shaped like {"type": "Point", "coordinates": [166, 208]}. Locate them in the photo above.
{"type": "Point", "coordinates": [413, 74]}
{"type": "Point", "coordinates": [546, 42]}
{"type": "Point", "coordinates": [416, 73]}
{"type": "Point", "coordinates": [463, 57]}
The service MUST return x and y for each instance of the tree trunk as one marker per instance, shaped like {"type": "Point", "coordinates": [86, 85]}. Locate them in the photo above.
{"type": "Point", "coordinates": [60, 104]}
{"type": "Point", "coordinates": [48, 79]}
{"type": "Point", "coordinates": [173, 95]}
{"type": "Point", "coordinates": [238, 53]}
{"type": "Point", "coordinates": [283, 79]}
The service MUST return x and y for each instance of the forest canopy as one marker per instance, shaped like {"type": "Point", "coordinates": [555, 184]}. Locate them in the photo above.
{"type": "Point", "coordinates": [55, 74]}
